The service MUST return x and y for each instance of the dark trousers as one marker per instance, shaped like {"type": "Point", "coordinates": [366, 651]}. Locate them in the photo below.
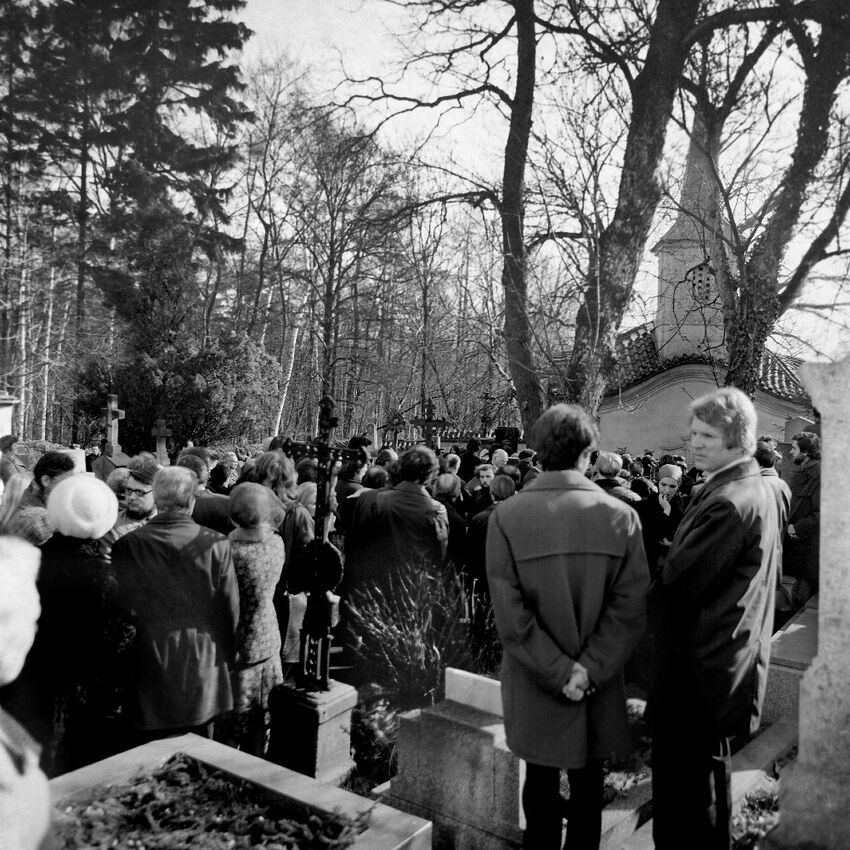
{"type": "Point", "coordinates": [691, 789]}
{"type": "Point", "coordinates": [544, 809]}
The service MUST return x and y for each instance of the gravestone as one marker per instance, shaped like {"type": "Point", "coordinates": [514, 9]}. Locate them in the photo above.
{"type": "Point", "coordinates": [112, 457]}
{"type": "Point", "coordinates": [815, 790]}
{"type": "Point", "coordinates": [161, 433]}
{"type": "Point", "coordinates": [455, 769]}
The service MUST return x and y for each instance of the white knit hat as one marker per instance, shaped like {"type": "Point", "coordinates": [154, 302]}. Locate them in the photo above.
{"type": "Point", "coordinates": [82, 506]}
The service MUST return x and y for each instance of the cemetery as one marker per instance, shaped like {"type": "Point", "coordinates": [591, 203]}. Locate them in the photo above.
{"type": "Point", "coordinates": [454, 783]}
{"type": "Point", "coordinates": [414, 419]}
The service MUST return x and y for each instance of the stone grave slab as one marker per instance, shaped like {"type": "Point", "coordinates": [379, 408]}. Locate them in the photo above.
{"type": "Point", "coordinates": [388, 829]}
{"type": "Point", "coordinates": [454, 768]}
{"type": "Point", "coordinates": [792, 649]}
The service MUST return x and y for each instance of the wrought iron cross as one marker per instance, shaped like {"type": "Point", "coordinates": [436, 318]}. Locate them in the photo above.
{"type": "Point", "coordinates": [320, 569]}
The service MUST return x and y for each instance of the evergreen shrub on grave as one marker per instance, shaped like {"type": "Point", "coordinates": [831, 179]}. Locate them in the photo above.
{"type": "Point", "coordinates": [408, 632]}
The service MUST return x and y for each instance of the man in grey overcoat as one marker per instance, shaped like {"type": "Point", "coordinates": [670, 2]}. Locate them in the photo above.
{"type": "Point", "coordinates": [715, 601]}
{"type": "Point", "coordinates": [568, 578]}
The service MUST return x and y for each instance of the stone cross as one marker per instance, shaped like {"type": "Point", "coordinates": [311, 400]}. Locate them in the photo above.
{"type": "Point", "coordinates": [113, 416]}
{"type": "Point", "coordinates": [816, 787]}
{"type": "Point", "coordinates": [161, 432]}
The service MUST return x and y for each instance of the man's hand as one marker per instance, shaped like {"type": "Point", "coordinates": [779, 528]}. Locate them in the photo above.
{"type": "Point", "coordinates": [578, 685]}
{"type": "Point", "coordinates": [792, 532]}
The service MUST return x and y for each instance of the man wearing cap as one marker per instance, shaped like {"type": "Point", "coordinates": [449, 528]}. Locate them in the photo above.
{"type": "Point", "coordinates": [715, 603]}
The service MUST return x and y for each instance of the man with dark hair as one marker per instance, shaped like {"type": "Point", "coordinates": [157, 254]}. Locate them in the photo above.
{"type": "Point", "coordinates": [469, 460]}
{"type": "Point", "coordinates": [715, 601]}
{"type": "Point", "coordinates": [30, 520]}
{"type": "Point", "coordinates": [766, 457]}
{"type": "Point", "coordinates": [568, 579]}
{"type": "Point", "coordinates": [801, 546]}
{"type": "Point", "coordinates": [397, 525]}
{"type": "Point", "coordinates": [9, 464]}
{"type": "Point", "coordinates": [138, 494]}
{"type": "Point", "coordinates": [386, 456]}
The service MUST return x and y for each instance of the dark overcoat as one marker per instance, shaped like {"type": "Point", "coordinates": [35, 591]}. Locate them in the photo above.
{"type": "Point", "coordinates": [177, 579]}
{"type": "Point", "coordinates": [715, 600]}
{"type": "Point", "coordinates": [801, 555]}
{"type": "Point", "coordinates": [392, 527]}
{"type": "Point", "coordinates": [568, 578]}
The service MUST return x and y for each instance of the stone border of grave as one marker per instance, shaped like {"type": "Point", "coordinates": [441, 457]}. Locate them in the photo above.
{"type": "Point", "coordinates": [791, 652]}
{"type": "Point", "coordinates": [455, 769]}
{"type": "Point", "coordinates": [751, 766]}
{"type": "Point", "coordinates": [388, 828]}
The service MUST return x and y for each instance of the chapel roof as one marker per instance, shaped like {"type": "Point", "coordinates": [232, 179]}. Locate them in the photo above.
{"type": "Point", "coordinates": [638, 360]}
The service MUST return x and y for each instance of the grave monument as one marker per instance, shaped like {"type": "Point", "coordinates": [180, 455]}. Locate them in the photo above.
{"type": "Point", "coordinates": [112, 457]}
{"type": "Point", "coordinates": [815, 790]}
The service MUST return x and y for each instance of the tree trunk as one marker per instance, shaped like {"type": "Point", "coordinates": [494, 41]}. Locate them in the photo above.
{"type": "Point", "coordinates": [41, 431]}
{"type": "Point", "coordinates": [286, 371]}
{"type": "Point", "coordinates": [521, 365]}
{"type": "Point", "coordinates": [19, 426]}
{"type": "Point", "coordinates": [611, 273]}
{"type": "Point", "coordinates": [760, 303]}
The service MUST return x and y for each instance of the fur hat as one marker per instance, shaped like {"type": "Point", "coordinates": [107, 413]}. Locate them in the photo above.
{"type": "Point", "coordinates": [670, 470]}
{"type": "Point", "coordinates": [82, 506]}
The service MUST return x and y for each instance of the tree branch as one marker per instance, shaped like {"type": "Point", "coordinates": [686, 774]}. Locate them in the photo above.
{"type": "Point", "coordinates": [605, 51]}
{"type": "Point", "coordinates": [817, 250]}
{"type": "Point", "coordinates": [729, 17]}
{"type": "Point", "coordinates": [549, 235]}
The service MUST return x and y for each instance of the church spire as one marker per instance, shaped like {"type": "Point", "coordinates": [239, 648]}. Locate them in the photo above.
{"type": "Point", "coordinates": [689, 321]}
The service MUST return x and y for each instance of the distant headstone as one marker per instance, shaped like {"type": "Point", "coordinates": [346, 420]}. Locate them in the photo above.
{"type": "Point", "coordinates": [112, 456]}
{"type": "Point", "coordinates": [113, 416]}
{"type": "Point", "coordinates": [162, 433]}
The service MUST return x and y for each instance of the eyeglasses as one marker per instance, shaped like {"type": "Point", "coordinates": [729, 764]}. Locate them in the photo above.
{"type": "Point", "coordinates": [132, 491]}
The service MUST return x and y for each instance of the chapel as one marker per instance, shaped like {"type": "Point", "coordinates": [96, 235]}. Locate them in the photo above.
{"type": "Point", "coordinates": [665, 363]}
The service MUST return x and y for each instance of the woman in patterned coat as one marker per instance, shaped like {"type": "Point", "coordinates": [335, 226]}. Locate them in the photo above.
{"type": "Point", "coordinates": [258, 556]}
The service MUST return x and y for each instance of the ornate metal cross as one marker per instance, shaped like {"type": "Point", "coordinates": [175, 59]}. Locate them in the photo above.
{"type": "Point", "coordinates": [321, 568]}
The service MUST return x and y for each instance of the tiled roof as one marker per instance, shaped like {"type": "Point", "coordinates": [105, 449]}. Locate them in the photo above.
{"type": "Point", "coordinates": [638, 360]}
{"type": "Point", "coordinates": [637, 356]}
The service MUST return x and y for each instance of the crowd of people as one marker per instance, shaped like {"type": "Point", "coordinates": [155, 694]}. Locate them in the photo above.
{"type": "Point", "coordinates": [166, 604]}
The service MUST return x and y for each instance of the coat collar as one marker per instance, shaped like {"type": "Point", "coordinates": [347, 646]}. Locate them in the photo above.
{"type": "Point", "coordinates": [732, 473]}
{"type": "Point", "coordinates": [411, 487]}
{"type": "Point", "coordinates": [171, 518]}
{"type": "Point", "coordinates": [561, 479]}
